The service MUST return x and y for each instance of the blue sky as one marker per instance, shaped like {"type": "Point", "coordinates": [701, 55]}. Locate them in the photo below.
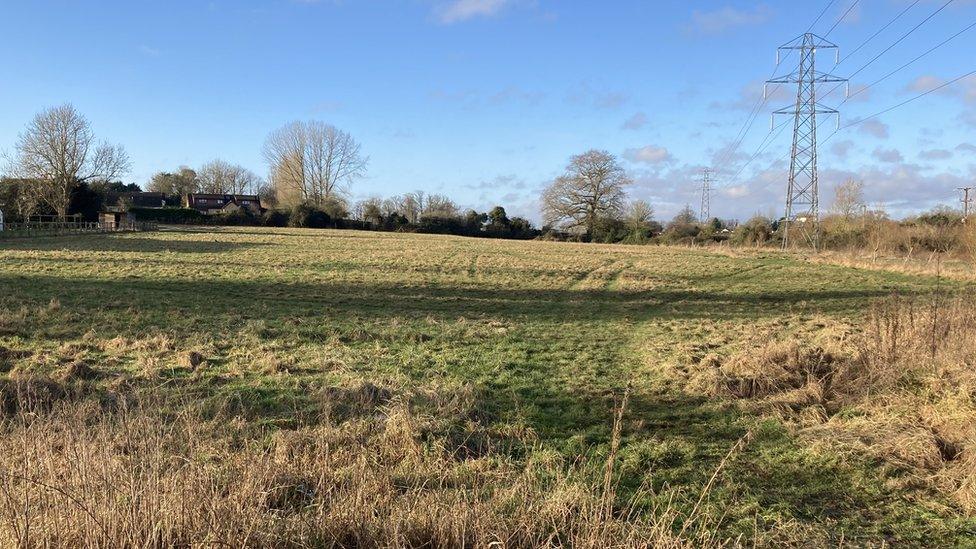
{"type": "Point", "coordinates": [485, 100]}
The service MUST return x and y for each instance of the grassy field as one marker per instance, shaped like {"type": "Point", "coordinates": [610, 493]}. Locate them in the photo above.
{"type": "Point", "coordinates": [515, 352]}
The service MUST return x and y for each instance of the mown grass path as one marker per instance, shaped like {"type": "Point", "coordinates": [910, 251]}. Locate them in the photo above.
{"type": "Point", "coordinates": [549, 334]}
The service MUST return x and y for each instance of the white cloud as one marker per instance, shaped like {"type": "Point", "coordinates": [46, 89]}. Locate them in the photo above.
{"type": "Point", "coordinates": [648, 155]}
{"type": "Point", "coordinates": [720, 20]}
{"type": "Point", "coordinates": [967, 148]}
{"type": "Point", "coordinates": [736, 191]}
{"type": "Point", "coordinates": [636, 122]}
{"type": "Point", "coordinates": [458, 11]}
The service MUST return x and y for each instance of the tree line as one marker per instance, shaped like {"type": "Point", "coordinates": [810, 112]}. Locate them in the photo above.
{"type": "Point", "coordinates": [59, 168]}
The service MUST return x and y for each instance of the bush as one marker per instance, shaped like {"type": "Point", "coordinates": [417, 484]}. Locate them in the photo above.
{"type": "Point", "coordinates": [178, 216]}
{"type": "Point", "coordinates": [442, 225]}
{"type": "Point", "coordinates": [335, 208]}
{"type": "Point", "coordinates": [307, 216]}
{"type": "Point", "coordinates": [275, 218]}
{"type": "Point", "coordinates": [757, 231]}
{"type": "Point", "coordinates": [239, 218]}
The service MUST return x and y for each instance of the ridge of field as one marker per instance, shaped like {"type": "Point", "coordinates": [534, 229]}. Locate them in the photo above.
{"type": "Point", "coordinates": [547, 334]}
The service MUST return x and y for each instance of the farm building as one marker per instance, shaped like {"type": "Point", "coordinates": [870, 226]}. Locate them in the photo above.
{"type": "Point", "coordinates": [211, 204]}
{"type": "Point", "coordinates": [116, 213]}
{"type": "Point", "coordinates": [114, 220]}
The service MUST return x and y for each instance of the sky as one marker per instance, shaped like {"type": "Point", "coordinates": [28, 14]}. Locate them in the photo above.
{"type": "Point", "coordinates": [486, 100]}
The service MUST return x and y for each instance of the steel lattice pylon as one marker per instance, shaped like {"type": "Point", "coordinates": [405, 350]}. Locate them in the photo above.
{"type": "Point", "coordinates": [802, 195]}
{"type": "Point", "coordinates": [706, 198]}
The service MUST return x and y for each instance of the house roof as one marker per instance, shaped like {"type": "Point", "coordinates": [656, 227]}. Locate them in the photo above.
{"type": "Point", "coordinates": [227, 197]}
{"type": "Point", "coordinates": [137, 199]}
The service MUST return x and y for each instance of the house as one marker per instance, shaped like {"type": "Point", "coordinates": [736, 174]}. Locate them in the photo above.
{"type": "Point", "coordinates": [119, 202]}
{"type": "Point", "coordinates": [212, 204]}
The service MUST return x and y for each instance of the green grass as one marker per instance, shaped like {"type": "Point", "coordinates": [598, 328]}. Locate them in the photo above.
{"type": "Point", "coordinates": [547, 334]}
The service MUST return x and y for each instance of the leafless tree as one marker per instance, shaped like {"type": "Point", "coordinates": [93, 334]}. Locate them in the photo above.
{"type": "Point", "coordinates": [639, 213]}
{"type": "Point", "coordinates": [438, 205]}
{"type": "Point", "coordinates": [58, 150]}
{"type": "Point", "coordinates": [312, 161]}
{"type": "Point", "coordinates": [849, 199]}
{"type": "Point", "coordinates": [408, 205]}
{"type": "Point", "coordinates": [221, 177]}
{"type": "Point", "coordinates": [591, 189]}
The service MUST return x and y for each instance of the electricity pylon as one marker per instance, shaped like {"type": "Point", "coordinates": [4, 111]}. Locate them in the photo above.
{"type": "Point", "coordinates": [802, 196]}
{"type": "Point", "coordinates": [966, 202]}
{"type": "Point", "coordinates": [706, 197]}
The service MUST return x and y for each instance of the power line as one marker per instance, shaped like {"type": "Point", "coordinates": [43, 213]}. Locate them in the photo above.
{"type": "Point", "coordinates": [759, 150]}
{"type": "Point", "coordinates": [842, 17]}
{"type": "Point", "coordinates": [751, 119]}
{"type": "Point", "coordinates": [906, 65]}
{"type": "Point", "coordinates": [881, 30]}
{"type": "Point", "coordinates": [819, 17]}
{"type": "Point", "coordinates": [902, 104]}
{"type": "Point", "coordinates": [899, 41]}
{"type": "Point", "coordinates": [889, 48]}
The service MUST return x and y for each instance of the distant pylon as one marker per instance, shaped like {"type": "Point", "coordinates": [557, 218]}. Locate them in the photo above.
{"type": "Point", "coordinates": [802, 195]}
{"type": "Point", "coordinates": [706, 198]}
{"type": "Point", "coordinates": [966, 202]}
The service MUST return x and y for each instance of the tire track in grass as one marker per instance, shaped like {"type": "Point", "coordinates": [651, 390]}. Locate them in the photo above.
{"type": "Point", "coordinates": [602, 277]}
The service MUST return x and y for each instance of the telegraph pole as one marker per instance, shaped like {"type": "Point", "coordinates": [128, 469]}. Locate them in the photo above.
{"type": "Point", "coordinates": [802, 195]}
{"type": "Point", "coordinates": [706, 197]}
{"type": "Point", "coordinates": [966, 201]}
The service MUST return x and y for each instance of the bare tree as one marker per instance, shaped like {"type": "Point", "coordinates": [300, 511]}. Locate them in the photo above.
{"type": "Point", "coordinates": [58, 150]}
{"type": "Point", "coordinates": [220, 177]}
{"type": "Point", "coordinates": [408, 205]}
{"type": "Point", "coordinates": [312, 161]}
{"type": "Point", "coordinates": [591, 189]}
{"type": "Point", "coordinates": [639, 213]}
{"type": "Point", "coordinates": [438, 205]}
{"type": "Point", "coordinates": [849, 199]}
{"type": "Point", "coordinates": [370, 207]}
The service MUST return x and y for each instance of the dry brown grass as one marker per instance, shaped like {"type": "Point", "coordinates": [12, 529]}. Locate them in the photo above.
{"type": "Point", "coordinates": [903, 390]}
{"type": "Point", "coordinates": [79, 473]}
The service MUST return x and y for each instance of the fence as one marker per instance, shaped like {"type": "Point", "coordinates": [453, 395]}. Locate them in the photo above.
{"type": "Point", "coordinates": [63, 228]}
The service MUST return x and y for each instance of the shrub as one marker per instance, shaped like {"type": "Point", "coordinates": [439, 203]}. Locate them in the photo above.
{"type": "Point", "coordinates": [179, 216]}
{"type": "Point", "coordinates": [307, 216]}
{"type": "Point", "coordinates": [241, 218]}
{"type": "Point", "coordinates": [757, 231]}
{"type": "Point", "coordinates": [275, 218]}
